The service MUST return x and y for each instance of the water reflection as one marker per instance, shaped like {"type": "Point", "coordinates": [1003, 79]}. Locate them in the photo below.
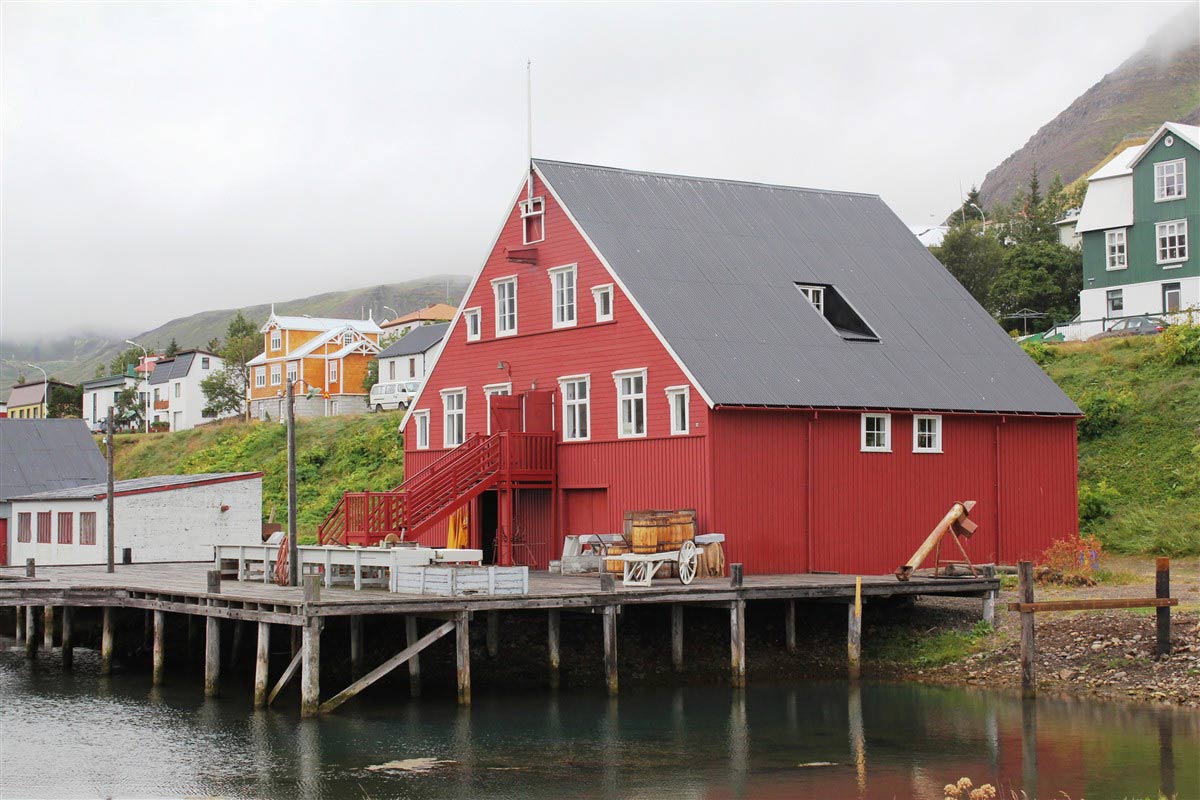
{"type": "Point", "coordinates": [879, 741]}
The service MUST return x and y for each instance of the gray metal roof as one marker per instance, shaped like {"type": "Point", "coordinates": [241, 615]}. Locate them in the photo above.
{"type": "Point", "coordinates": [95, 491]}
{"type": "Point", "coordinates": [418, 340]}
{"type": "Point", "coordinates": [38, 455]}
{"type": "Point", "coordinates": [111, 380]}
{"type": "Point", "coordinates": [715, 266]}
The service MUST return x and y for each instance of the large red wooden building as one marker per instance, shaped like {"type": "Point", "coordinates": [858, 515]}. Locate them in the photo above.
{"type": "Point", "coordinates": [791, 363]}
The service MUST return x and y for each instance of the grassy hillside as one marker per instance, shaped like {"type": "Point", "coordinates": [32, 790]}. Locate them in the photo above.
{"type": "Point", "coordinates": [333, 455]}
{"type": "Point", "coordinates": [74, 359]}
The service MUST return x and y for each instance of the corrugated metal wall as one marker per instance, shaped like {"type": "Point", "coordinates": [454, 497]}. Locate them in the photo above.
{"type": "Point", "coordinates": [1039, 490]}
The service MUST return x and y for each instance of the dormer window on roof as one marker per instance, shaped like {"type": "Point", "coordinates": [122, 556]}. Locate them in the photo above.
{"type": "Point", "coordinates": [533, 219]}
{"type": "Point", "coordinates": [838, 312]}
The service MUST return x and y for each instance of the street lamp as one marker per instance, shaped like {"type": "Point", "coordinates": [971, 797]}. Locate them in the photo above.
{"type": "Point", "coordinates": [981, 214]}
{"type": "Point", "coordinates": [45, 389]}
{"type": "Point", "coordinates": [394, 311]}
{"type": "Point", "coordinates": [146, 366]}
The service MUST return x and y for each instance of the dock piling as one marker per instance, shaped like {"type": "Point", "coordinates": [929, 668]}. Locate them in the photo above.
{"type": "Point", "coordinates": [854, 633]}
{"type": "Point", "coordinates": [48, 627]}
{"type": "Point", "coordinates": [414, 663]}
{"type": "Point", "coordinates": [106, 641]}
{"type": "Point", "coordinates": [737, 642]}
{"type": "Point", "coordinates": [677, 637]}
{"type": "Point", "coordinates": [68, 644]}
{"type": "Point", "coordinates": [31, 639]}
{"type": "Point", "coordinates": [462, 649]}
{"type": "Point", "coordinates": [610, 650]}
{"type": "Point", "coordinates": [356, 645]}
{"type": "Point", "coordinates": [493, 634]}
{"type": "Point", "coordinates": [212, 656]}
{"type": "Point", "coordinates": [262, 658]}
{"type": "Point", "coordinates": [159, 657]}
{"type": "Point", "coordinates": [789, 626]}
{"type": "Point", "coordinates": [19, 632]}
{"type": "Point", "coordinates": [554, 632]}
{"type": "Point", "coordinates": [310, 666]}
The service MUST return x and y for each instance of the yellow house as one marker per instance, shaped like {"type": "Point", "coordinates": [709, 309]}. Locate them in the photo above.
{"type": "Point", "coordinates": [30, 400]}
{"type": "Point", "coordinates": [324, 357]}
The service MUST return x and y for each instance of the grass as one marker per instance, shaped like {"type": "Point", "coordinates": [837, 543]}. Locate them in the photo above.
{"type": "Point", "coordinates": [928, 650]}
{"type": "Point", "coordinates": [333, 455]}
{"type": "Point", "coordinates": [1148, 455]}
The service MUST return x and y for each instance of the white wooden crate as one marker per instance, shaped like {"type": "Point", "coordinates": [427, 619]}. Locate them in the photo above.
{"type": "Point", "coordinates": [454, 581]}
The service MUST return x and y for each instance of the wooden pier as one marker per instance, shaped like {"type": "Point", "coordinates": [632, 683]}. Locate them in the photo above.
{"type": "Point", "coordinates": [197, 590]}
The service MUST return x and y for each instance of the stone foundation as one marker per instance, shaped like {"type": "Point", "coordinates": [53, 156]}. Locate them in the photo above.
{"type": "Point", "coordinates": [275, 408]}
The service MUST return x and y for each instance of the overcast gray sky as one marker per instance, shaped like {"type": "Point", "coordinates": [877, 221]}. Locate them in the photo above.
{"type": "Point", "coordinates": [160, 160]}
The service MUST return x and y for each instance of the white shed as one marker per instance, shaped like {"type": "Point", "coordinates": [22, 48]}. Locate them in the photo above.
{"type": "Point", "coordinates": [160, 518]}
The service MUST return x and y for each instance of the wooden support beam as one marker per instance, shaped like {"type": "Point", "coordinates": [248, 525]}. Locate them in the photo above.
{"type": "Point", "coordinates": [68, 638]}
{"type": "Point", "coordinates": [1162, 590]}
{"type": "Point", "coordinates": [159, 657]}
{"type": "Point", "coordinates": [553, 636]}
{"type": "Point", "coordinates": [462, 652]}
{"type": "Point", "coordinates": [212, 656]}
{"type": "Point", "coordinates": [106, 641]}
{"type": "Point", "coordinates": [48, 627]}
{"type": "Point", "coordinates": [310, 667]}
{"type": "Point", "coordinates": [386, 667]}
{"type": "Point", "coordinates": [1043, 606]}
{"type": "Point", "coordinates": [235, 650]}
{"type": "Point", "coordinates": [854, 633]}
{"type": "Point", "coordinates": [610, 650]}
{"type": "Point", "coordinates": [19, 633]}
{"type": "Point", "coordinates": [737, 643]}
{"type": "Point", "coordinates": [989, 597]}
{"type": "Point", "coordinates": [789, 626]}
{"type": "Point", "coordinates": [737, 575]}
{"type": "Point", "coordinates": [193, 626]}
{"type": "Point", "coordinates": [677, 637]}
{"type": "Point", "coordinates": [262, 664]}
{"type": "Point", "coordinates": [493, 634]}
{"type": "Point", "coordinates": [31, 638]}
{"type": "Point", "coordinates": [285, 677]}
{"type": "Point", "coordinates": [955, 518]}
{"type": "Point", "coordinates": [414, 663]}
{"type": "Point", "coordinates": [1028, 647]}
{"type": "Point", "coordinates": [356, 644]}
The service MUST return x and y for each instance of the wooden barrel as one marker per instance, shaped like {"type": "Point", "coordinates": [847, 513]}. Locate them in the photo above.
{"type": "Point", "coordinates": [682, 528]}
{"type": "Point", "coordinates": [615, 565]}
{"type": "Point", "coordinates": [648, 531]}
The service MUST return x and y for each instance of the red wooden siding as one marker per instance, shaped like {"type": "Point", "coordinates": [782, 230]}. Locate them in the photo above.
{"type": "Point", "coordinates": [1039, 490]}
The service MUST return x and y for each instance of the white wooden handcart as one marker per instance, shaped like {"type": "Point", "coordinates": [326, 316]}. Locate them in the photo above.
{"type": "Point", "coordinates": [640, 568]}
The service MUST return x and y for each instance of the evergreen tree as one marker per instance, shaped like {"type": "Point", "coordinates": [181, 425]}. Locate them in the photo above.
{"type": "Point", "coordinates": [172, 349]}
{"type": "Point", "coordinates": [124, 360]}
{"type": "Point", "coordinates": [242, 343]}
{"type": "Point", "coordinates": [970, 211]}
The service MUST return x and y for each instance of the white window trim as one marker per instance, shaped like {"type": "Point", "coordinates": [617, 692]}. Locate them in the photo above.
{"type": "Point", "coordinates": [1187, 246]}
{"type": "Point", "coordinates": [276, 374]}
{"type": "Point", "coordinates": [475, 314]}
{"type": "Point", "coordinates": [419, 416]}
{"type": "Point", "coordinates": [937, 442]}
{"type": "Point", "coordinates": [1124, 248]}
{"type": "Point", "coordinates": [587, 379]}
{"type": "Point", "coordinates": [887, 431]}
{"type": "Point", "coordinates": [446, 428]}
{"type": "Point", "coordinates": [573, 269]}
{"type": "Point", "coordinates": [276, 339]}
{"type": "Point", "coordinates": [606, 288]}
{"type": "Point", "coordinates": [496, 282]}
{"type": "Point", "coordinates": [534, 207]}
{"type": "Point", "coordinates": [260, 377]}
{"type": "Point", "coordinates": [1162, 291]}
{"type": "Point", "coordinates": [489, 390]}
{"type": "Point", "coordinates": [1108, 298]}
{"type": "Point", "coordinates": [630, 373]}
{"type": "Point", "coordinates": [333, 372]}
{"type": "Point", "coordinates": [1182, 162]}
{"type": "Point", "coordinates": [814, 295]}
{"type": "Point", "coordinates": [672, 393]}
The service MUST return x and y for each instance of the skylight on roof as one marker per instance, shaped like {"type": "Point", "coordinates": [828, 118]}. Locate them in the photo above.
{"type": "Point", "coordinates": [837, 312]}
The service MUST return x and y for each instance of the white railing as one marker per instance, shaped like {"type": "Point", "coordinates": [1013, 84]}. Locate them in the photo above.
{"type": "Point", "coordinates": [1080, 330]}
{"type": "Point", "coordinates": [354, 566]}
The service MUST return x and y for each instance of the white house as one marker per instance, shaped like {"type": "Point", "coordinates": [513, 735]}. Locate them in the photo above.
{"type": "Point", "coordinates": [410, 356]}
{"type": "Point", "coordinates": [101, 393]}
{"type": "Point", "coordinates": [161, 518]}
{"type": "Point", "coordinates": [174, 387]}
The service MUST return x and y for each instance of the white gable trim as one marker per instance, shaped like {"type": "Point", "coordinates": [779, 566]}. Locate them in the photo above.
{"type": "Point", "coordinates": [632, 299]}
{"type": "Point", "coordinates": [508, 210]}
{"type": "Point", "coordinates": [1163, 130]}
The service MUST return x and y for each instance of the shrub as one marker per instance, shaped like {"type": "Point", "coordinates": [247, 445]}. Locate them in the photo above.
{"type": "Point", "coordinates": [1041, 353]}
{"type": "Point", "coordinates": [1096, 502]}
{"type": "Point", "coordinates": [1103, 410]}
{"type": "Point", "coordinates": [1179, 345]}
{"type": "Point", "coordinates": [1070, 561]}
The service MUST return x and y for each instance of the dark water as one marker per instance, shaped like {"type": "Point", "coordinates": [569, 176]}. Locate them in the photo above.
{"type": "Point", "coordinates": [78, 735]}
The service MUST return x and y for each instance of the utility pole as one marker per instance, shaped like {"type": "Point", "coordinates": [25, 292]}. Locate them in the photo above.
{"type": "Point", "coordinates": [108, 500]}
{"type": "Point", "coordinates": [293, 547]}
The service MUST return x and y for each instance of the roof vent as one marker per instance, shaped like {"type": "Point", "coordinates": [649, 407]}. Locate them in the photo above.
{"type": "Point", "coordinates": [838, 312]}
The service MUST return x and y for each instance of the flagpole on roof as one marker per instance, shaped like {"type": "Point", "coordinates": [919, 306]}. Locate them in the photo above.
{"type": "Point", "coordinates": [528, 126]}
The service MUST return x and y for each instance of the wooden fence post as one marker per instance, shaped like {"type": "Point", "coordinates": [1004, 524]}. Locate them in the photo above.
{"type": "Point", "coordinates": [1162, 589]}
{"type": "Point", "coordinates": [1028, 648]}
{"type": "Point", "coordinates": [989, 599]}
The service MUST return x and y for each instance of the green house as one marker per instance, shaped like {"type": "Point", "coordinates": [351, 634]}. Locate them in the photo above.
{"type": "Point", "coordinates": [1135, 224]}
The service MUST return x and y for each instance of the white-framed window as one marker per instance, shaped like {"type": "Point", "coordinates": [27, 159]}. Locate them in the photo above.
{"type": "Point", "coordinates": [677, 403]}
{"type": "Point", "coordinates": [474, 328]}
{"type": "Point", "coordinates": [204, 362]}
{"type": "Point", "coordinates": [293, 372]}
{"type": "Point", "coordinates": [178, 388]}
{"type": "Point", "coordinates": [392, 369]}
{"type": "Point", "coordinates": [562, 286]}
{"type": "Point", "coordinates": [333, 371]}
{"type": "Point", "coordinates": [276, 339]}
{"type": "Point", "coordinates": [1170, 180]}
{"type": "Point", "coordinates": [421, 423]}
{"type": "Point", "coordinates": [533, 220]}
{"type": "Point", "coordinates": [489, 390]}
{"type": "Point", "coordinates": [927, 433]}
{"type": "Point", "coordinates": [347, 338]}
{"type": "Point", "coordinates": [877, 433]}
{"type": "Point", "coordinates": [454, 417]}
{"type": "Point", "coordinates": [276, 375]}
{"type": "Point", "coordinates": [333, 407]}
{"type": "Point", "coordinates": [506, 305]}
{"type": "Point", "coordinates": [631, 402]}
{"type": "Point", "coordinates": [260, 377]}
{"type": "Point", "coordinates": [603, 295]}
{"type": "Point", "coordinates": [1114, 249]}
{"type": "Point", "coordinates": [412, 367]}
{"type": "Point", "coordinates": [1172, 241]}
{"type": "Point", "coordinates": [1171, 296]}
{"type": "Point", "coordinates": [1115, 302]}
{"type": "Point", "coordinates": [577, 407]}
{"type": "Point", "coordinates": [815, 295]}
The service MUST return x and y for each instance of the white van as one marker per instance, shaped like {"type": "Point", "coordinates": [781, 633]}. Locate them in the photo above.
{"type": "Point", "coordinates": [396, 394]}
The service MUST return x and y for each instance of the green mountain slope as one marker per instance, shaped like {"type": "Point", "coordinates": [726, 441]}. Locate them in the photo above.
{"type": "Point", "coordinates": [74, 359]}
{"type": "Point", "coordinates": [1161, 82]}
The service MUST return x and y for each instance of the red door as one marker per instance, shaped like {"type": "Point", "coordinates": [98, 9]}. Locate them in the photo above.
{"type": "Point", "coordinates": [506, 412]}
{"type": "Point", "coordinates": [3, 543]}
{"type": "Point", "coordinates": [539, 411]}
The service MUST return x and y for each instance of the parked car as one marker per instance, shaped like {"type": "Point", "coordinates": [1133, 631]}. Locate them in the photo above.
{"type": "Point", "coordinates": [396, 394]}
{"type": "Point", "coordinates": [1133, 326]}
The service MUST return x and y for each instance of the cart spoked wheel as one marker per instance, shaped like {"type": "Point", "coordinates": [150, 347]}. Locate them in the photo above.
{"type": "Point", "coordinates": [637, 573]}
{"type": "Point", "coordinates": [687, 562]}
